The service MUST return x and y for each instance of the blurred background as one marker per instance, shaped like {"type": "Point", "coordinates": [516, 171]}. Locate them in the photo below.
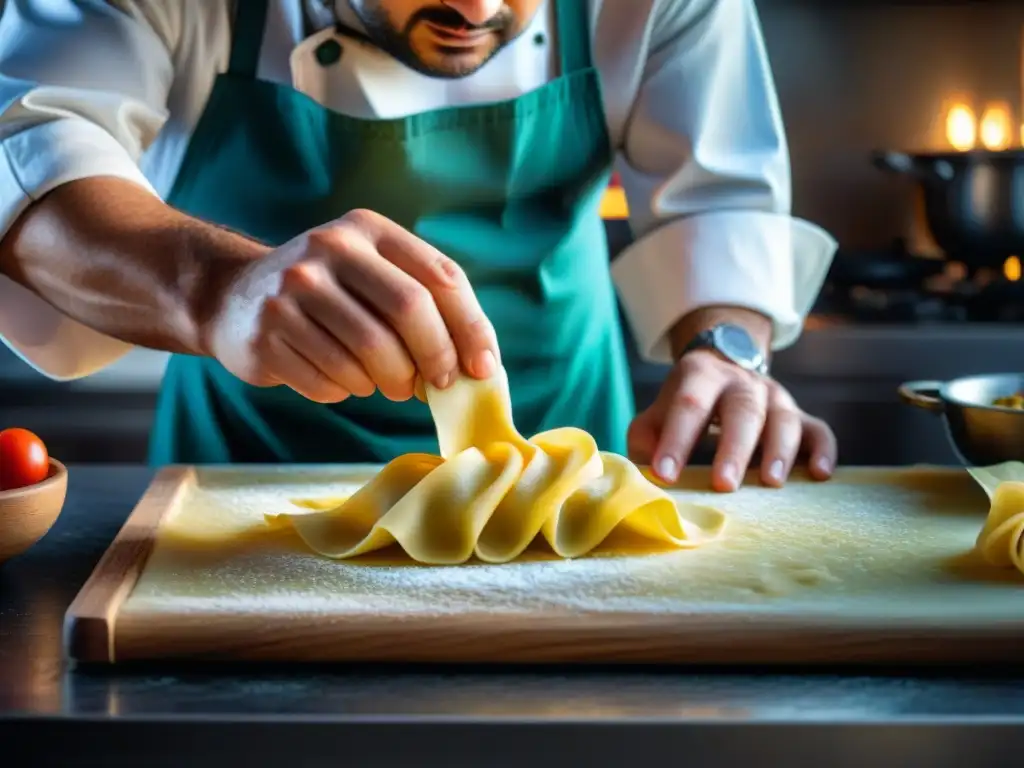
{"type": "Point", "coordinates": [854, 76]}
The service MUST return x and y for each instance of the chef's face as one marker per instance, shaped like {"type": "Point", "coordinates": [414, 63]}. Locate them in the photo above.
{"type": "Point", "coordinates": [444, 38]}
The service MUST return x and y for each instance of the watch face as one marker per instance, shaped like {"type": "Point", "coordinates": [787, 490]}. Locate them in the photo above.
{"type": "Point", "coordinates": [736, 343]}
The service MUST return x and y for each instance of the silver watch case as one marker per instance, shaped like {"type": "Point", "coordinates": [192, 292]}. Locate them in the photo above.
{"type": "Point", "coordinates": [735, 344]}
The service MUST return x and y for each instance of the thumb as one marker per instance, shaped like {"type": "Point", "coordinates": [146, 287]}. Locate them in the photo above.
{"type": "Point", "coordinates": [420, 389]}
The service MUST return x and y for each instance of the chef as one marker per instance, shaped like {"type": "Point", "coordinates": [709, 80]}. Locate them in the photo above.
{"type": "Point", "coordinates": [315, 204]}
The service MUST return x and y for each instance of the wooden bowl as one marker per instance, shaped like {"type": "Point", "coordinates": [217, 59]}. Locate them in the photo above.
{"type": "Point", "coordinates": [27, 514]}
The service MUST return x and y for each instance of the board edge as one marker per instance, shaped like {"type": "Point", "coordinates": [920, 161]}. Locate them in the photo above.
{"type": "Point", "coordinates": [90, 619]}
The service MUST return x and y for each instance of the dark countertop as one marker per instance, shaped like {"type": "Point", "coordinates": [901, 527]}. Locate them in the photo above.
{"type": "Point", "coordinates": [452, 716]}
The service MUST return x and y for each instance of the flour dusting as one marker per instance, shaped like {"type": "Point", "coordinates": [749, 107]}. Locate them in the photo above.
{"type": "Point", "coordinates": [857, 543]}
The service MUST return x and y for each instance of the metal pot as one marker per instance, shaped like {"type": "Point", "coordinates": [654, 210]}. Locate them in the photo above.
{"type": "Point", "coordinates": [974, 201]}
{"type": "Point", "coordinates": [982, 434]}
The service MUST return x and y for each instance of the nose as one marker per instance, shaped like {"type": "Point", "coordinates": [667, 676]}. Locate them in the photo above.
{"type": "Point", "coordinates": [475, 12]}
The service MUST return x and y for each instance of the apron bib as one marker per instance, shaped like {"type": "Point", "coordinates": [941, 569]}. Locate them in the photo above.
{"type": "Point", "coordinates": [510, 190]}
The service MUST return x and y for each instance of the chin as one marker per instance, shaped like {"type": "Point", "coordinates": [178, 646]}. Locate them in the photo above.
{"type": "Point", "coordinates": [438, 61]}
{"type": "Point", "coordinates": [455, 66]}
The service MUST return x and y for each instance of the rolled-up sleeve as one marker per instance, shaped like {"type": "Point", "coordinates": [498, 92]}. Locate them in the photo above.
{"type": "Point", "coordinates": [705, 168]}
{"type": "Point", "coordinates": [83, 89]}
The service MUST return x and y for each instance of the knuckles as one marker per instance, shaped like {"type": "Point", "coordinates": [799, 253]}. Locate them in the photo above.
{"type": "Point", "coordinates": [438, 362]}
{"type": "Point", "coordinates": [275, 310]}
{"type": "Point", "coordinates": [748, 398]}
{"type": "Point", "coordinates": [688, 400]}
{"type": "Point", "coordinates": [264, 345]}
{"type": "Point", "coordinates": [451, 270]}
{"type": "Point", "coordinates": [408, 301]}
{"type": "Point", "coordinates": [334, 360]}
{"type": "Point", "coordinates": [302, 277]}
{"type": "Point", "coordinates": [334, 240]}
{"type": "Point", "coordinates": [367, 342]}
{"type": "Point", "coordinates": [362, 218]}
{"type": "Point", "coordinates": [480, 332]}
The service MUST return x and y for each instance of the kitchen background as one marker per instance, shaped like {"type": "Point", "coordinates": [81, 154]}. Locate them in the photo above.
{"type": "Point", "coordinates": [852, 77]}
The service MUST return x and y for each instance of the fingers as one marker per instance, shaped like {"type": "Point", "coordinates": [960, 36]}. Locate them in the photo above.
{"type": "Point", "coordinates": [319, 348]}
{"type": "Point", "coordinates": [783, 432]}
{"type": "Point", "coordinates": [749, 410]}
{"type": "Point", "coordinates": [404, 303]}
{"type": "Point", "coordinates": [293, 370]}
{"type": "Point", "coordinates": [787, 430]}
{"type": "Point", "coordinates": [368, 305]}
{"type": "Point", "coordinates": [687, 409]}
{"type": "Point", "coordinates": [420, 390]}
{"type": "Point", "coordinates": [823, 452]}
{"type": "Point", "coordinates": [474, 337]}
{"type": "Point", "coordinates": [378, 349]}
{"type": "Point", "coordinates": [642, 437]}
{"type": "Point", "coordinates": [742, 415]}
{"type": "Point", "coordinates": [471, 332]}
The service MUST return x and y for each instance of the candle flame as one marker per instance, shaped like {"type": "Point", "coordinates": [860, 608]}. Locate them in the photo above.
{"type": "Point", "coordinates": [961, 130]}
{"type": "Point", "coordinates": [1012, 269]}
{"type": "Point", "coordinates": [995, 128]}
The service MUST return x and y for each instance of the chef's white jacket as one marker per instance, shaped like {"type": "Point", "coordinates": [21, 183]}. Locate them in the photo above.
{"type": "Point", "coordinates": [91, 88]}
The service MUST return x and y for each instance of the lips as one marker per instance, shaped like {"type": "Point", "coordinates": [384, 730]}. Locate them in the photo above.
{"type": "Point", "coordinates": [453, 36]}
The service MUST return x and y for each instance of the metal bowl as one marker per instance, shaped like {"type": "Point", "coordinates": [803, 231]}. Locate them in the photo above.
{"type": "Point", "coordinates": [982, 434]}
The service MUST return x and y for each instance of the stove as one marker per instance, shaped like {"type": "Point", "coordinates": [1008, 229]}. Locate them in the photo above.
{"type": "Point", "coordinates": [895, 286]}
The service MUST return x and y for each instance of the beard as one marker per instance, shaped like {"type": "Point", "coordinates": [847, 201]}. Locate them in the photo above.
{"type": "Point", "coordinates": [435, 60]}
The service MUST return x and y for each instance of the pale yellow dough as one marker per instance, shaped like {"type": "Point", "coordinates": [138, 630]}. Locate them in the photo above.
{"type": "Point", "coordinates": [1001, 541]}
{"type": "Point", "coordinates": [492, 491]}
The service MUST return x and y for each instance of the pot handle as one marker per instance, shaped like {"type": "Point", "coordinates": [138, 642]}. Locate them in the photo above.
{"type": "Point", "coordinates": [922, 394]}
{"type": "Point", "coordinates": [915, 167]}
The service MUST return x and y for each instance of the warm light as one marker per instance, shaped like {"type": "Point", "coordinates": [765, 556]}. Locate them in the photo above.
{"type": "Point", "coordinates": [961, 131]}
{"type": "Point", "coordinates": [1011, 269]}
{"type": "Point", "coordinates": [613, 204]}
{"type": "Point", "coordinates": [995, 129]}
{"type": "Point", "coordinates": [1022, 134]}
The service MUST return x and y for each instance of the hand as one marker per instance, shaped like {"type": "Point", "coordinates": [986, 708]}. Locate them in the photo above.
{"type": "Point", "coordinates": [351, 307]}
{"type": "Point", "coordinates": [750, 408]}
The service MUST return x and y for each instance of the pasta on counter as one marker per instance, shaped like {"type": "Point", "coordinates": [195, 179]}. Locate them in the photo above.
{"type": "Point", "coordinates": [1001, 541]}
{"type": "Point", "coordinates": [492, 492]}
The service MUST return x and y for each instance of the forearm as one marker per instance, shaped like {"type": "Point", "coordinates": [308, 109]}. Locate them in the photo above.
{"type": "Point", "coordinates": [757, 325]}
{"type": "Point", "coordinates": [110, 255]}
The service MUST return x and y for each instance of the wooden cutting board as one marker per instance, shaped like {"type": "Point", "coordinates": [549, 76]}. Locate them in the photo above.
{"type": "Point", "coordinates": [874, 566]}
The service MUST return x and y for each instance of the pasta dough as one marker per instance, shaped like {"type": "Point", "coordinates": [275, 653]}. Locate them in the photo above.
{"type": "Point", "coordinates": [491, 492]}
{"type": "Point", "coordinates": [1001, 541]}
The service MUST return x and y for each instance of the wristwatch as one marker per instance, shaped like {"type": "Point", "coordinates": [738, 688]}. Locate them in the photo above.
{"type": "Point", "coordinates": [734, 344]}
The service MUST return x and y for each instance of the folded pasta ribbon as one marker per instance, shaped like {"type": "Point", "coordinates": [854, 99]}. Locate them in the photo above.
{"type": "Point", "coordinates": [1001, 541]}
{"type": "Point", "coordinates": [492, 492]}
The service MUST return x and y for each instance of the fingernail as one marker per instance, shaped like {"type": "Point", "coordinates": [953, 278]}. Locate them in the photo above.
{"type": "Point", "coordinates": [484, 364]}
{"type": "Point", "coordinates": [775, 470]}
{"type": "Point", "coordinates": [730, 474]}
{"type": "Point", "coordinates": [442, 381]}
{"type": "Point", "coordinates": [823, 465]}
{"type": "Point", "coordinates": [667, 468]}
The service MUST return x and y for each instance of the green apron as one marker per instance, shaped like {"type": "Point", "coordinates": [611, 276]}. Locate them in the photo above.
{"type": "Point", "coordinates": [510, 190]}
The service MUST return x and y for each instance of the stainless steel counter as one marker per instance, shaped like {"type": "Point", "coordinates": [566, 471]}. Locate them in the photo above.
{"type": "Point", "coordinates": [52, 713]}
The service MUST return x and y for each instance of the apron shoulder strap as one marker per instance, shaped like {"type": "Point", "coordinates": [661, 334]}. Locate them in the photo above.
{"type": "Point", "coordinates": [247, 37]}
{"type": "Point", "coordinates": [573, 20]}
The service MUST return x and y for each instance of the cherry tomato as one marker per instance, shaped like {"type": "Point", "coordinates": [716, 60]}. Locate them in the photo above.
{"type": "Point", "coordinates": [24, 459]}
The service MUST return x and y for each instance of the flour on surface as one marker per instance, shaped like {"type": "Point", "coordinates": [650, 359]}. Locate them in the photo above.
{"type": "Point", "coordinates": [851, 545]}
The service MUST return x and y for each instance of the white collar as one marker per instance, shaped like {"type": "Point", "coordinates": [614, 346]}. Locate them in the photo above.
{"type": "Point", "coordinates": [322, 14]}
